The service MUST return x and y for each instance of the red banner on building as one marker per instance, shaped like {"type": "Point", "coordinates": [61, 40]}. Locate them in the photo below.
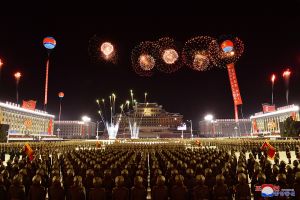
{"type": "Point", "coordinates": [268, 108]}
{"type": "Point", "coordinates": [254, 126]}
{"type": "Point", "coordinates": [50, 125]}
{"type": "Point", "coordinates": [30, 105]}
{"type": "Point", "coordinates": [234, 85]}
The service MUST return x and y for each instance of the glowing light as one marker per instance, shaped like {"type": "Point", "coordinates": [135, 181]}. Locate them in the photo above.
{"type": "Point", "coordinates": [107, 48]}
{"type": "Point", "coordinates": [1, 63]}
{"type": "Point", "coordinates": [85, 119]}
{"type": "Point", "coordinates": [146, 61]}
{"type": "Point", "coordinates": [170, 56]}
{"type": "Point", "coordinates": [49, 43]}
{"type": "Point", "coordinates": [273, 78]}
{"type": "Point", "coordinates": [209, 117]}
{"type": "Point", "coordinates": [286, 73]}
{"type": "Point", "coordinates": [61, 95]}
{"type": "Point", "coordinates": [17, 75]}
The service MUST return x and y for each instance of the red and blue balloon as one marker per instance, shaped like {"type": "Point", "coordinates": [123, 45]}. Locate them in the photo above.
{"type": "Point", "coordinates": [227, 46]}
{"type": "Point", "coordinates": [49, 43]}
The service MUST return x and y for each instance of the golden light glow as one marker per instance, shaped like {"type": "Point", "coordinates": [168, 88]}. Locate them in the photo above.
{"type": "Point", "coordinates": [286, 73]}
{"type": "Point", "coordinates": [146, 61]}
{"type": "Point", "coordinates": [201, 61]}
{"type": "Point", "coordinates": [273, 77]}
{"type": "Point", "coordinates": [1, 63]}
{"type": "Point", "coordinates": [170, 56]}
{"type": "Point", "coordinates": [17, 75]}
{"type": "Point", "coordinates": [107, 48]}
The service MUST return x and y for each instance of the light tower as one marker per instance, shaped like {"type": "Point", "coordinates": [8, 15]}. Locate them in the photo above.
{"type": "Point", "coordinates": [49, 43]}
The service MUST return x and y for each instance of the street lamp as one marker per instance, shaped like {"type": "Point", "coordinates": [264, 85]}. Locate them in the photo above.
{"type": "Point", "coordinates": [17, 77]}
{"type": "Point", "coordinates": [85, 119]}
{"type": "Point", "coordinates": [273, 78]}
{"type": "Point", "coordinates": [191, 127]}
{"type": "Point", "coordinates": [209, 118]}
{"type": "Point", "coordinates": [1, 64]}
{"type": "Point", "coordinates": [286, 75]}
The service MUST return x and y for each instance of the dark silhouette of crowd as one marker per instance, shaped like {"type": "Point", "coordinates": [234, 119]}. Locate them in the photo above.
{"type": "Point", "coordinates": [143, 171]}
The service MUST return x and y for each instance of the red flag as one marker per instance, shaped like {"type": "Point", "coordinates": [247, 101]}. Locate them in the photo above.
{"type": "Point", "coordinates": [265, 145]}
{"type": "Point", "coordinates": [271, 152]}
{"type": "Point", "coordinates": [29, 152]}
{"type": "Point", "coordinates": [30, 105]}
{"type": "Point", "coordinates": [270, 149]}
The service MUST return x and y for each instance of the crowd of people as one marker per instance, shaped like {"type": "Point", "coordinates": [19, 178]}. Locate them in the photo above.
{"type": "Point", "coordinates": [211, 169]}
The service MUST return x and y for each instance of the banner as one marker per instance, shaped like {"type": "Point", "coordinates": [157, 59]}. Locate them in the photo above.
{"type": "Point", "coordinates": [268, 108]}
{"type": "Point", "coordinates": [30, 105]}
{"type": "Point", "coordinates": [50, 125]}
{"type": "Point", "coordinates": [254, 126]}
{"type": "Point", "coordinates": [234, 85]}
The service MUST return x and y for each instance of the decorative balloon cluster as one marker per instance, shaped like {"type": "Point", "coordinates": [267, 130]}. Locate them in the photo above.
{"type": "Point", "coordinates": [199, 53]}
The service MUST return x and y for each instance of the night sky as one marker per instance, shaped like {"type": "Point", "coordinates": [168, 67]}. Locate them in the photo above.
{"type": "Point", "coordinates": [271, 45]}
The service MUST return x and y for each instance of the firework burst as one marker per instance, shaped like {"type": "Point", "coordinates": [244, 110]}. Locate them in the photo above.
{"type": "Point", "coordinates": [196, 54]}
{"type": "Point", "coordinates": [144, 58]}
{"type": "Point", "coordinates": [169, 60]}
{"type": "Point", "coordinates": [100, 50]}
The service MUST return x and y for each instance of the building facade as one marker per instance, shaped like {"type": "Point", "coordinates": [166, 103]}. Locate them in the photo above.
{"type": "Point", "coordinates": [269, 123]}
{"type": "Point", "coordinates": [224, 128]}
{"type": "Point", "coordinates": [152, 119]}
{"type": "Point", "coordinates": [22, 121]}
{"type": "Point", "coordinates": [75, 129]}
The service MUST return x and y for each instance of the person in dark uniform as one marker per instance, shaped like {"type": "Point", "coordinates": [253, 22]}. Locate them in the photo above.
{"type": "Point", "coordinates": [36, 191]}
{"type": "Point", "coordinates": [17, 189]}
{"type": "Point", "coordinates": [220, 190]}
{"type": "Point", "coordinates": [120, 192]}
{"type": "Point", "coordinates": [56, 191]}
{"type": "Point", "coordinates": [138, 191]}
{"type": "Point", "coordinates": [242, 190]}
{"type": "Point", "coordinates": [288, 154]}
{"type": "Point", "coordinates": [77, 191]}
{"type": "Point", "coordinates": [97, 192]}
{"type": "Point", "coordinates": [179, 191]}
{"type": "Point", "coordinates": [160, 190]}
{"type": "Point", "coordinates": [3, 190]}
{"type": "Point", "coordinates": [200, 191]}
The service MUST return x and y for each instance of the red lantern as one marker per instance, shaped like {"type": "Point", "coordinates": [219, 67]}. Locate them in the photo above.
{"type": "Point", "coordinates": [61, 95]}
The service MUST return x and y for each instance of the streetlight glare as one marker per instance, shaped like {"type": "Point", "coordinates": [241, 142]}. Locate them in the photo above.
{"type": "Point", "coordinates": [208, 117]}
{"type": "Point", "coordinates": [86, 119]}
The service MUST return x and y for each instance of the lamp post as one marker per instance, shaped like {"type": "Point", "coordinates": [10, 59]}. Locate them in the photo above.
{"type": "Point", "coordinates": [273, 78]}
{"type": "Point", "coordinates": [85, 119]}
{"type": "Point", "coordinates": [17, 77]}
{"type": "Point", "coordinates": [61, 96]}
{"type": "Point", "coordinates": [191, 128]}
{"type": "Point", "coordinates": [97, 130]}
{"type": "Point", "coordinates": [209, 118]}
{"type": "Point", "coordinates": [286, 75]}
{"type": "Point", "coordinates": [1, 64]}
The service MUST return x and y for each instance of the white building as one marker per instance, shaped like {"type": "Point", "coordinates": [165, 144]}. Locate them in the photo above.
{"type": "Point", "coordinates": [269, 123]}
{"type": "Point", "coordinates": [75, 129]}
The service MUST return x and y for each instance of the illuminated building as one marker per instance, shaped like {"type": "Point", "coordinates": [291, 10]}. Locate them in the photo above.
{"type": "Point", "coordinates": [269, 122]}
{"type": "Point", "coordinates": [75, 129]}
{"type": "Point", "coordinates": [24, 122]}
{"type": "Point", "coordinates": [152, 119]}
{"type": "Point", "coordinates": [224, 128]}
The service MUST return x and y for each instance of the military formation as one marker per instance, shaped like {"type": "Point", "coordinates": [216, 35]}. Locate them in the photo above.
{"type": "Point", "coordinates": [173, 169]}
